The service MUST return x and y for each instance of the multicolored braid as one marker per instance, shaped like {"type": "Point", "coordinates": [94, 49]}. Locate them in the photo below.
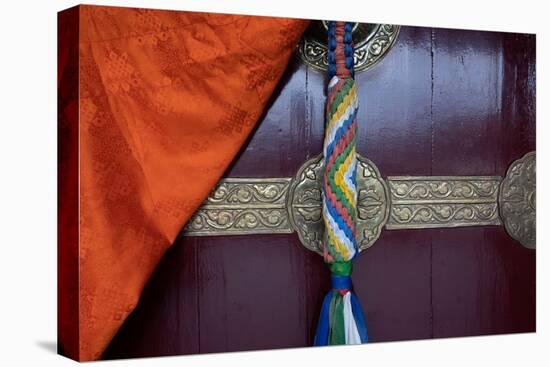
{"type": "Point", "coordinates": [342, 320]}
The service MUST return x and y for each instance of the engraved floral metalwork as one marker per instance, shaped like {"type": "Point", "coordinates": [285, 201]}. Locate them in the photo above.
{"type": "Point", "coordinates": [372, 43]}
{"type": "Point", "coordinates": [242, 206]}
{"type": "Point", "coordinates": [287, 205]}
{"type": "Point", "coordinates": [424, 202]}
{"type": "Point", "coordinates": [304, 204]}
{"type": "Point", "coordinates": [373, 203]}
{"type": "Point", "coordinates": [305, 201]}
{"type": "Point", "coordinates": [517, 200]}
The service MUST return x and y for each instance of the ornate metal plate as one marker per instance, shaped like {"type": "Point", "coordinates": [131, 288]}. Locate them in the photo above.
{"type": "Point", "coordinates": [372, 43]}
{"type": "Point", "coordinates": [431, 202]}
{"type": "Point", "coordinates": [243, 206]}
{"type": "Point", "coordinates": [286, 205]}
{"type": "Point", "coordinates": [517, 200]}
{"type": "Point", "coordinates": [305, 204]}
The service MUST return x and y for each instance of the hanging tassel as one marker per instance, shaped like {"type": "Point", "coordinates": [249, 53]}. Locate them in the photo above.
{"type": "Point", "coordinates": [342, 320]}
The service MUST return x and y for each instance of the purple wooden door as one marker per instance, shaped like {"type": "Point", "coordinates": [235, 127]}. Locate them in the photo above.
{"type": "Point", "coordinates": [442, 102]}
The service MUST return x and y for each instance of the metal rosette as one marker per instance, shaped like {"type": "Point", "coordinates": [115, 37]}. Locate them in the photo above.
{"type": "Point", "coordinates": [305, 204]}
{"type": "Point", "coordinates": [372, 43]}
{"type": "Point", "coordinates": [517, 200]}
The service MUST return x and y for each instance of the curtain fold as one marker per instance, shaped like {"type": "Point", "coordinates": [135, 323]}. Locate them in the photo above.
{"type": "Point", "coordinates": [166, 100]}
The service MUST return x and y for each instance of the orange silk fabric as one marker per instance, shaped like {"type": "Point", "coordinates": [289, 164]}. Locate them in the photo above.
{"type": "Point", "coordinates": [167, 98]}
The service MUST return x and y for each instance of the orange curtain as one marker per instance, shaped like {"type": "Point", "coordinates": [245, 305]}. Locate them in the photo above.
{"type": "Point", "coordinates": [166, 99]}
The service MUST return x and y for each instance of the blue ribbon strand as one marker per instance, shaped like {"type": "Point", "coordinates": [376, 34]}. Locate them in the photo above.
{"type": "Point", "coordinates": [321, 336]}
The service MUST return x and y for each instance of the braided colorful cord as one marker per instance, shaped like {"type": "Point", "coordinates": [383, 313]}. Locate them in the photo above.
{"type": "Point", "coordinates": [342, 320]}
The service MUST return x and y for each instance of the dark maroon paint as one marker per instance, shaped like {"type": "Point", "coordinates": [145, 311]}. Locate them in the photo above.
{"type": "Point", "coordinates": [442, 102]}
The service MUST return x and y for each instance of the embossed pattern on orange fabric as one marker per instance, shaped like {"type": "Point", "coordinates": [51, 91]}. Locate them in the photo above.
{"type": "Point", "coordinates": [167, 98]}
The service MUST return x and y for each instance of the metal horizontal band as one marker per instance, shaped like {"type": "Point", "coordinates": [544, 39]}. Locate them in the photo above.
{"type": "Point", "coordinates": [443, 201]}
{"type": "Point", "coordinates": [243, 206]}
{"type": "Point", "coordinates": [238, 206]}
